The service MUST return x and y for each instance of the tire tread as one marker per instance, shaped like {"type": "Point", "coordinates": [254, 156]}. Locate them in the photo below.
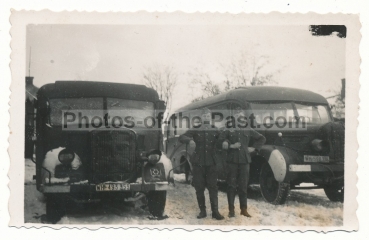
{"type": "Point", "coordinates": [283, 190]}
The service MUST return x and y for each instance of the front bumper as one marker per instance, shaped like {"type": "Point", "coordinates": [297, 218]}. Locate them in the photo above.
{"type": "Point", "coordinates": [91, 188]}
{"type": "Point", "coordinates": [316, 168]}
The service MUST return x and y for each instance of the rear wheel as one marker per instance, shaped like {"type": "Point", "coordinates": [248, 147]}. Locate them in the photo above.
{"type": "Point", "coordinates": [156, 202]}
{"type": "Point", "coordinates": [55, 207]}
{"type": "Point", "coordinates": [273, 191]}
{"type": "Point", "coordinates": [335, 192]}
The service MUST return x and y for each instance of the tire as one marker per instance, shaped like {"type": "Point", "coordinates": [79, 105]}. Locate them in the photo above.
{"type": "Point", "coordinates": [335, 192]}
{"type": "Point", "coordinates": [156, 202]}
{"type": "Point", "coordinates": [272, 191]}
{"type": "Point", "coordinates": [55, 207]}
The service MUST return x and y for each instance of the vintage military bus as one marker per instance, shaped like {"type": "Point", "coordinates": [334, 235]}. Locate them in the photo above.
{"type": "Point", "coordinates": [304, 144]}
{"type": "Point", "coordinates": [91, 144]}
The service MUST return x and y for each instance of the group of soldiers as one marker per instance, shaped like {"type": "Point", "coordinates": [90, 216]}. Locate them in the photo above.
{"type": "Point", "coordinates": [203, 140]}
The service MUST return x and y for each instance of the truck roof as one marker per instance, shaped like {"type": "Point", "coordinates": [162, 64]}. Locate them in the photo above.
{"type": "Point", "coordinates": [79, 89]}
{"type": "Point", "coordinates": [260, 94]}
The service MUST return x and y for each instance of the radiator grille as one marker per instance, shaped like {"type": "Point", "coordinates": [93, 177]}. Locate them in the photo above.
{"type": "Point", "coordinates": [113, 155]}
{"type": "Point", "coordinates": [337, 139]}
{"type": "Point", "coordinates": [334, 133]}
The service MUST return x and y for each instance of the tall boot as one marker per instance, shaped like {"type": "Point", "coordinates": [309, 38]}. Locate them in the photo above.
{"type": "Point", "coordinates": [244, 212]}
{"type": "Point", "coordinates": [243, 204]}
{"type": "Point", "coordinates": [231, 196]}
{"type": "Point", "coordinates": [214, 206]}
{"type": "Point", "coordinates": [201, 202]}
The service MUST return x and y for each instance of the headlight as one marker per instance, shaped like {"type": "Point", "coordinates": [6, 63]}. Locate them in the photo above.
{"type": "Point", "coordinates": [76, 163]}
{"type": "Point", "coordinates": [66, 156]}
{"type": "Point", "coordinates": [153, 156]}
{"type": "Point", "coordinates": [320, 145]}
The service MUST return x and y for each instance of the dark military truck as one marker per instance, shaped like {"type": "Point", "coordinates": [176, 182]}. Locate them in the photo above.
{"type": "Point", "coordinates": [91, 146]}
{"type": "Point", "coordinates": [304, 144]}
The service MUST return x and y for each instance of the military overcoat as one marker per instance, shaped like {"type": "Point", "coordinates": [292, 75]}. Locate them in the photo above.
{"type": "Point", "coordinates": [205, 140]}
{"type": "Point", "coordinates": [243, 136]}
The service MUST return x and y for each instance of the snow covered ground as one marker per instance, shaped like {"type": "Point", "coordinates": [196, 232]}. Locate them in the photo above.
{"type": "Point", "coordinates": [303, 208]}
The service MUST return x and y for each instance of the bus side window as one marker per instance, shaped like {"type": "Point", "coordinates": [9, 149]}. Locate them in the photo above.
{"type": "Point", "coordinates": [237, 106]}
{"type": "Point", "coordinates": [173, 125]}
{"type": "Point", "coordinates": [170, 129]}
{"type": "Point", "coordinates": [183, 123]}
{"type": "Point", "coordinates": [167, 129]}
{"type": "Point", "coordinates": [249, 111]}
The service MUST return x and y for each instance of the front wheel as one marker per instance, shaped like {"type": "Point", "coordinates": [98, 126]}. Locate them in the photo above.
{"type": "Point", "coordinates": [55, 207]}
{"type": "Point", "coordinates": [335, 192]}
{"type": "Point", "coordinates": [273, 191]}
{"type": "Point", "coordinates": [156, 202]}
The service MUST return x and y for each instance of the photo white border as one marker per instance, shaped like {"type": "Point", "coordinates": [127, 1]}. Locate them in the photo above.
{"type": "Point", "coordinates": [302, 6]}
{"type": "Point", "coordinates": [21, 19]}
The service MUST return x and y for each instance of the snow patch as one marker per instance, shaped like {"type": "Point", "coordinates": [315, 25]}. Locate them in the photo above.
{"type": "Point", "coordinates": [303, 208]}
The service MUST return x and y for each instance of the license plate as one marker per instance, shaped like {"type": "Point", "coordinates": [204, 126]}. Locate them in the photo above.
{"type": "Point", "coordinates": [316, 159]}
{"type": "Point", "coordinates": [112, 187]}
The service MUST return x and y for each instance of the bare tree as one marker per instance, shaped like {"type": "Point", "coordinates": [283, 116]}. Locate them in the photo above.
{"type": "Point", "coordinates": [163, 80]}
{"type": "Point", "coordinates": [248, 70]}
{"type": "Point", "coordinates": [338, 108]}
{"type": "Point", "coordinates": [207, 85]}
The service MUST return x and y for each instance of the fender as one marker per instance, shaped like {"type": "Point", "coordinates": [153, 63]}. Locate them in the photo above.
{"type": "Point", "coordinates": [167, 164]}
{"type": "Point", "coordinates": [184, 153]}
{"type": "Point", "coordinates": [279, 158]}
{"type": "Point", "coordinates": [51, 163]}
{"type": "Point", "coordinates": [176, 149]}
{"type": "Point", "coordinates": [176, 156]}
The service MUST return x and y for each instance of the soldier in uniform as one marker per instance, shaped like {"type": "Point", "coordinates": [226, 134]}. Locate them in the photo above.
{"type": "Point", "coordinates": [236, 142]}
{"type": "Point", "coordinates": [202, 140]}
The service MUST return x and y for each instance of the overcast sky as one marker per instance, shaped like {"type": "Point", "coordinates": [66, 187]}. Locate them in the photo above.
{"type": "Point", "coordinates": [120, 53]}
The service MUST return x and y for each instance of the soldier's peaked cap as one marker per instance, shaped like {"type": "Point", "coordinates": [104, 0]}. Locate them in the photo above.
{"type": "Point", "coordinates": [206, 110]}
{"type": "Point", "coordinates": [238, 109]}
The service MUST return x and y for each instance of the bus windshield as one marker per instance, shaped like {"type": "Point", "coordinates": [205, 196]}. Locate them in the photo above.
{"type": "Point", "coordinates": [310, 113]}
{"type": "Point", "coordinates": [313, 113]}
